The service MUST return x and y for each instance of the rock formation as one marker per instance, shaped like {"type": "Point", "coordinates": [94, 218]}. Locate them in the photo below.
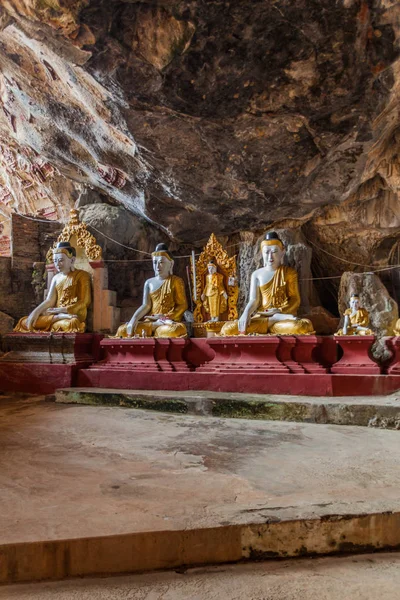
{"type": "Point", "coordinates": [199, 117]}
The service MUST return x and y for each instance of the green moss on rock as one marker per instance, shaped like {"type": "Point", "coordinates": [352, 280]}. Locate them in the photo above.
{"type": "Point", "coordinates": [255, 409]}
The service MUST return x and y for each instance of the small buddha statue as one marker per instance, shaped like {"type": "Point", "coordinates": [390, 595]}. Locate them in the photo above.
{"type": "Point", "coordinates": [164, 302]}
{"type": "Point", "coordinates": [356, 319]}
{"type": "Point", "coordinates": [69, 296]}
{"type": "Point", "coordinates": [214, 296]}
{"type": "Point", "coordinates": [274, 297]}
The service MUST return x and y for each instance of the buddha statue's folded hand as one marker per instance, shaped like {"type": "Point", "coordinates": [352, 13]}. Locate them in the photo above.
{"type": "Point", "coordinates": [131, 327]}
{"type": "Point", "coordinates": [31, 319]}
{"type": "Point", "coordinates": [243, 323]}
{"type": "Point", "coordinates": [270, 312]}
{"type": "Point", "coordinates": [55, 311]}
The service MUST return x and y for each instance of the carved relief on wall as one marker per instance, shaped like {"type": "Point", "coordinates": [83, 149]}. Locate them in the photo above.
{"type": "Point", "coordinates": [216, 289]}
{"type": "Point", "coordinates": [29, 185]}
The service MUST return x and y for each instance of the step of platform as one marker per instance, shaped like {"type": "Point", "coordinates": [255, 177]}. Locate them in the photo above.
{"type": "Point", "coordinates": [377, 411]}
{"type": "Point", "coordinates": [95, 490]}
{"type": "Point", "coordinates": [365, 577]}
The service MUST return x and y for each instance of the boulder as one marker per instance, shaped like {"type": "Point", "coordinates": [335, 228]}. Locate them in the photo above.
{"type": "Point", "coordinates": [323, 321]}
{"type": "Point", "coordinates": [6, 323]}
{"type": "Point", "coordinates": [110, 223]}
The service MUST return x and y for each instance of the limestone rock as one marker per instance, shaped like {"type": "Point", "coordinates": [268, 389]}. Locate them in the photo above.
{"type": "Point", "coordinates": [207, 117]}
{"type": "Point", "coordinates": [245, 265]}
{"type": "Point", "coordinates": [156, 35]}
{"type": "Point", "coordinates": [6, 323]}
{"type": "Point", "coordinates": [323, 321]}
{"type": "Point", "coordinates": [170, 121]}
{"type": "Point", "coordinates": [128, 231]}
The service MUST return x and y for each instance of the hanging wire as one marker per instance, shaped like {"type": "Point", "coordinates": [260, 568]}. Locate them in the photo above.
{"type": "Point", "coordinates": [119, 243]}
{"type": "Point", "coordinates": [349, 262]}
{"type": "Point", "coordinates": [371, 271]}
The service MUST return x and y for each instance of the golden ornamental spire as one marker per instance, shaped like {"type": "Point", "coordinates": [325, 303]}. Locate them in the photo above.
{"type": "Point", "coordinates": [84, 239]}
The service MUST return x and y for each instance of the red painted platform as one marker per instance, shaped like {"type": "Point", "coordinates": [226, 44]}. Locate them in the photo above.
{"type": "Point", "coordinates": [300, 365]}
{"type": "Point", "coordinates": [42, 362]}
{"type": "Point", "coordinates": [357, 358]}
{"type": "Point", "coordinates": [393, 344]}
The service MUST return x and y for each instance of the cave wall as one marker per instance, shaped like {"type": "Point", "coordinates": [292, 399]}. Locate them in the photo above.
{"type": "Point", "coordinates": [30, 241]}
{"type": "Point", "coordinates": [192, 117]}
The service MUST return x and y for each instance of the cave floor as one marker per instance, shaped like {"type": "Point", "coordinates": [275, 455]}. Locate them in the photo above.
{"type": "Point", "coordinates": [365, 577]}
{"type": "Point", "coordinates": [74, 471]}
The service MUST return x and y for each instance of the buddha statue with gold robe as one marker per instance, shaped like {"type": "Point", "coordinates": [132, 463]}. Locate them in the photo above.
{"type": "Point", "coordinates": [164, 302]}
{"type": "Point", "coordinates": [274, 297]}
{"type": "Point", "coordinates": [356, 319]}
{"type": "Point", "coordinates": [214, 296]}
{"type": "Point", "coordinates": [69, 296]}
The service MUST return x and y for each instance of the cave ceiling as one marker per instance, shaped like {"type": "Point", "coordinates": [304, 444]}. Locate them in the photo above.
{"type": "Point", "coordinates": [206, 116]}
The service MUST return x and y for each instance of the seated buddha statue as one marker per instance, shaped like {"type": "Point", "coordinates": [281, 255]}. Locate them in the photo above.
{"type": "Point", "coordinates": [274, 297]}
{"type": "Point", "coordinates": [69, 296]}
{"type": "Point", "coordinates": [356, 319]}
{"type": "Point", "coordinates": [164, 302]}
{"type": "Point", "coordinates": [214, 296]}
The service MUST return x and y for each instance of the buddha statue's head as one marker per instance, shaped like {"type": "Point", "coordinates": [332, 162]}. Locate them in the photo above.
{"type": "Point", "coordinates": [211, 267]}
{"type": "Point", "coordinates": [163, 262]}
{"type": "Point", "coordinates": [272, 250]}
{"type": "Point", "coordinates": [64, 256]}
{"type": "Point", "coordinates": [354, 302]}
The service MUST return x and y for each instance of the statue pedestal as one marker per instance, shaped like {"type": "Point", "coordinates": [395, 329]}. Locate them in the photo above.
{"type": "Point", "coordinates": [175, 355]}
{"type": "Point", "coordinates": [39, 362]}
{"type": "Point", "coordinates": [304, 354]}
{"type": "Point", "coordinates": [250, 355]}
{"type": "Point", "coordinates": [285, 352]}
{"type": "Point", "coordinates": [356, 356]}
{"type": "Point", "coordinates": [208, 329]}
{"type": "Point", "coordinates": [42, 363]}
{"type": "Point", "coordinates": [52, 348]}
{"type": "Point", "coordinates": [144, 354]}
{"type": "Point", "coordinates": [132, 354]}
{"type": "Point", "coordinates": [393, 343]}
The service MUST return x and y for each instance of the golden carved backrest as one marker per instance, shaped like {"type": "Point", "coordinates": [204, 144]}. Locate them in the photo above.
{"type": "Point", "coordinates": [225, 265]}
{"type": "Point", "coordinates": [76, 232]}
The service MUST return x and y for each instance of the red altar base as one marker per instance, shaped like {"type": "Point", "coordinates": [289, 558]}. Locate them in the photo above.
{"type": "Point", "coordinates": [300, 365]}
{"type": "Point", "coordinates": [43, 362]}
{"type": "Point", "coordinates": [297, 365]}
{"type": "Point", "coordinates": [145, 355]}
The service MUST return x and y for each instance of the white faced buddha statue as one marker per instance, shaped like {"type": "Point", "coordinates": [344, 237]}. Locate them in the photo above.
{"type": "Point", "coordinates": [274, 297]}
{"type": "Point", "coordinates": [69, 296]}
{"type": "Point", "coordinates": [164, 302]}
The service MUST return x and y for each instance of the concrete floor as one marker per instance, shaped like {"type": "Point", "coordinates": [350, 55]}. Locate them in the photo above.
{"type": "Point", "coordinates": [73, 471]}
{"type": "Point", "coordinates": [91, 490]}
{"type": "Point", "coordinates": [369, 577]}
